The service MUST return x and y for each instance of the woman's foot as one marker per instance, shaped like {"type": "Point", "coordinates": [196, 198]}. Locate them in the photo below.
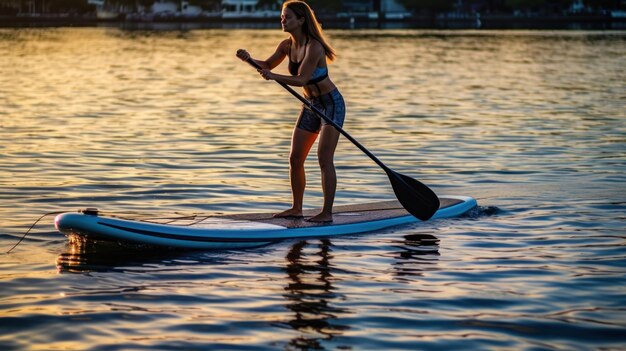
{"type": "Point", "coordinates": [321, 218]}
{"type": "Point", "coordinates": [290, 213]}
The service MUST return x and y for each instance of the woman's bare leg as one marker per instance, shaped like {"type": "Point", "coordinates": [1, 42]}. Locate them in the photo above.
{"type": "Point", "coordinates": [301, 142]}
{"type": "Point", "coordinates": [329, 136]}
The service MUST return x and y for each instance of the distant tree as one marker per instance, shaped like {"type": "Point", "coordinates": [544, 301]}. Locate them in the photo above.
{"type": "Point", "coordinates": [428, 6]}
{"type": "Point", "coordinates": [525, 5]}
{"type": "Point", "coordinates": [145, 3]}
{"type": "Point", "coordinates": [125, 5]}
{"type": "Point", "coordinates": [377, 5]}
{"type": "Point", "coordinates": [606, 4]}
{"type": "Point", "coordinates": [70, 6]}
{"type": "Point", "coordinates": [206, 5]}
{"type": "Point", "coordinates": [9, 8]}
{"type": "Point", "coordinates": [321, 6]}
{"type": "Point", "coordinates": [545, 6]}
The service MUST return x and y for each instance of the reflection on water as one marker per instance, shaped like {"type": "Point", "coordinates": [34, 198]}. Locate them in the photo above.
{"type": "Point", "coordinates": [170, 123]}
{"type": "Point", "coordinates": [84, 255]}
{"type": "Point", "coordinates": [310, 295]}
{"type": "Point", "coordinates": [418, 252]}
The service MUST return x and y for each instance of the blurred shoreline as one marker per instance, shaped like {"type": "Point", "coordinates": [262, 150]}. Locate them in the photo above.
{"type": "Point", "coordinates": [574, 22]}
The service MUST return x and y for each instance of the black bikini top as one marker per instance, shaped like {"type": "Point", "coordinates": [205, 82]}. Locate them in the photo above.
{"type": "Point", "coordinates": [319, 74]}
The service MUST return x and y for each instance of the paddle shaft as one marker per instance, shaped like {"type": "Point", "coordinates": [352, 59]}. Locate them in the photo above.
{"type": "Point", "coordinates": [309, 104]}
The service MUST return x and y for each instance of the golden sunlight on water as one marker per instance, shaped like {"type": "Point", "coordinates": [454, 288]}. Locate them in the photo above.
{"type": "Point", "coordinates": [149, 107]}
{"type": "Point", "coordinates": [531, 123]}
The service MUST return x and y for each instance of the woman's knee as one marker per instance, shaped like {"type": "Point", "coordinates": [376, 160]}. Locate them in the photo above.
{"type": "Point", "coordinates": [326, 161]}
{"type": "Point", "coordinates": [296, 160]}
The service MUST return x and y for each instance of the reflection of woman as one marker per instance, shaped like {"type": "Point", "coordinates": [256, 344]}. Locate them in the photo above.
{"type": "Point", "coordinates": [309, 292]}
{"type": "Point", "coordinates": [308, 53]}
{"type": "Point", "coordinates": [416, 255]}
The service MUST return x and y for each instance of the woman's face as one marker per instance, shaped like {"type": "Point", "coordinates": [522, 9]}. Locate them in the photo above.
{"type": "Point", "coordinates": [290, 21]}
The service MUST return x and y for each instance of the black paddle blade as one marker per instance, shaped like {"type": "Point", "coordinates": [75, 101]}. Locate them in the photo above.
{"type": "Point", "coordinates": [414, 196]}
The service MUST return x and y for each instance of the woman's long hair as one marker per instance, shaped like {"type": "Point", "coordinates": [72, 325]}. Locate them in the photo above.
{"type": "Point", "coordinates": [311, 26]}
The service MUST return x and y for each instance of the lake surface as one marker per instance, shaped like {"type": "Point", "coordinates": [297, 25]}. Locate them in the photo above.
{"type": "Point", "coordinates": [530, 123]}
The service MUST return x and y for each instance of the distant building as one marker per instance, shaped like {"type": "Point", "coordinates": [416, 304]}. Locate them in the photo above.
{"type": "Point", "coordinates": [352, 9]}
{"type": "Point", "coordinates": [577, 6]}
{"type": "Point", "coordinates": [393, 9]}
{"type": "Point", "coordinates": [239, 6]}
{"type": "Point", "coordinates": [356, 6]}
{"type": "Point", "coordinates": [164, 7]}
{"type": "Point", "coordinates": [249, 8]}
{"type": "Point", "coordinates": [392, 6]}
{"type": "Point", "coordinates": [388, 8]}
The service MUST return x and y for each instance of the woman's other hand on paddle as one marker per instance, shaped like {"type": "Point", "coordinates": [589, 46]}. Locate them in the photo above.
{"type": "Point", "coordinates": [266, 73]}
{"type": "Point", "coordinates": [243, 54]}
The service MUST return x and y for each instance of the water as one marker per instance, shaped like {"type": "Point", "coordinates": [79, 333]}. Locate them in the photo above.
{"type": "Point", "coordinates": [531, 123]}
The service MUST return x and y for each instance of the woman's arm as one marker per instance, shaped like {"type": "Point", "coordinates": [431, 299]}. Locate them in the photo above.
{"type": "Point", "coordinates": [309, 63]}
{"type": "Point", "coordinates": [277, 57]}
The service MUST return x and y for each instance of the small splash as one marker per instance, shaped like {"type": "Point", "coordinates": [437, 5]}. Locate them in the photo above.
{"type": "Point", "coordinates": [482, 211]}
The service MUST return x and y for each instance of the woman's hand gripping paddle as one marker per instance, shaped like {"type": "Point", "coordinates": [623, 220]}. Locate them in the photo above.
{"type": "Point", "coordinates": [414, 196]}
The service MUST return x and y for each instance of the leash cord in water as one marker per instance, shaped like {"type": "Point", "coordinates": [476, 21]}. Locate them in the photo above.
{"type": "Point", "coordinates": [32, 226]}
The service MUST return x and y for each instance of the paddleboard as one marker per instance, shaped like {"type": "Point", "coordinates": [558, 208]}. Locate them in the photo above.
{"type": "Point", "coordinates": [238, 231]}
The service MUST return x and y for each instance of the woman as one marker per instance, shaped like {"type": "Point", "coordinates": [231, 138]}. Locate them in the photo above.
{"type": "Point", "coordinates": [308, 53]}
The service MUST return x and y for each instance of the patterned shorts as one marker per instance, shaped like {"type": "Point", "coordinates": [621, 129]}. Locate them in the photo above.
{"type": "Point", "coordinates": [331, 104]}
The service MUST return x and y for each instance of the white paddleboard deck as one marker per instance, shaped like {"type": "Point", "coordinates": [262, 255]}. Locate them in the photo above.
{"type": "Point", "coordinates": [248, 230]}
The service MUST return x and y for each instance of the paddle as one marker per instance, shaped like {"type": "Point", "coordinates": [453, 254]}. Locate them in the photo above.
{"type": "Point", "coordinates": [414, 196]}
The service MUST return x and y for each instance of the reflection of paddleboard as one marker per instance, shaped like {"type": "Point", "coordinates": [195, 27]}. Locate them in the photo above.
{"type": "Point", "coordinates": [247, 230]}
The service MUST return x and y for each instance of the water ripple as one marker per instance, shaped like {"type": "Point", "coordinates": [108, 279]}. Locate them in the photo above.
{"type": "Point", "coordinates": [169, 123]}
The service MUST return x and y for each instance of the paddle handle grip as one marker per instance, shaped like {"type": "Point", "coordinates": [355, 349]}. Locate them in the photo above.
{"type": "Point", "coordinates": [309, 104]}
